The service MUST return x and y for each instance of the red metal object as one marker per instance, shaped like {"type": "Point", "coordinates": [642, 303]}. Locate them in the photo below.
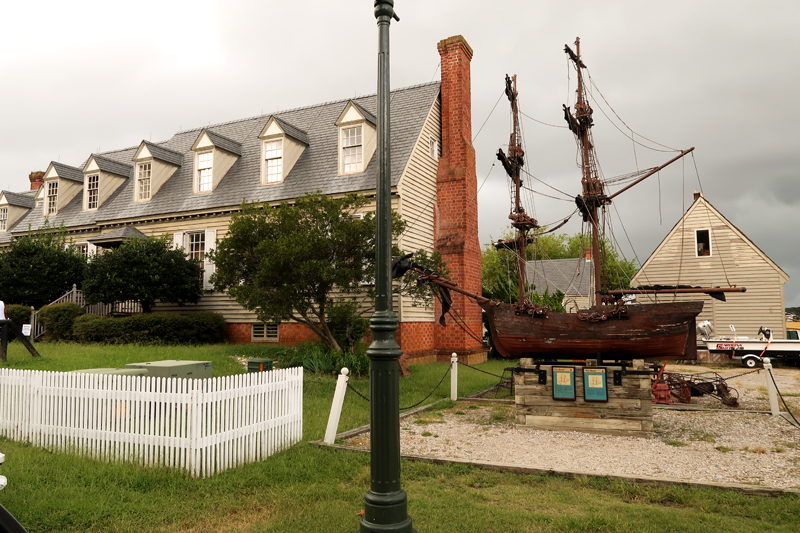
{"type": "Point", "coordinates": [661, 394]}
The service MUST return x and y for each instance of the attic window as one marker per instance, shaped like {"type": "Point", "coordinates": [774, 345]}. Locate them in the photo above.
{"type": "Point", "coordinates": [352, 153]}
{"type": "Point", "coordinates": [92, 191]}
{"type": "Point", "coordinates": [52, 197]}
{"type": "Point", "coordinates": [703, 241]}
{"type": "Point", "coordinates": [3, 218]}
{"type": "Point", "coordinates": [143, 171]}
{"type": "Point", "coordinates": [273, 161]}
{"type": "Point", "coordinates": [205, 161]}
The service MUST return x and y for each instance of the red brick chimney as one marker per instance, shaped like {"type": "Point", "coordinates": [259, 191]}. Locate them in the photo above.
{"type": "Point", "coordinates": [37, 178]}
{"type": "Point", "coordinates": [457, 204]}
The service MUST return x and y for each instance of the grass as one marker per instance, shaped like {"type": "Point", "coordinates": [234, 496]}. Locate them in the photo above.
{"type": "Point", "coordinates": [308, 489]}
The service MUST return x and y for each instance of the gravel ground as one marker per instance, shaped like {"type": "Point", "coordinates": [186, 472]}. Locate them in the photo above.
{"type": "Point", "coordinates": [731, 446]}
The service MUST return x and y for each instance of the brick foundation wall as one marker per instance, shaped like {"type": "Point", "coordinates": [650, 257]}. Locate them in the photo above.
{"type": "Point", "coordinates": [457, 206]}
{"type": "Point", "coordinates": [238, 333]}
{"type": "Point", "coordinates": [416, 339]}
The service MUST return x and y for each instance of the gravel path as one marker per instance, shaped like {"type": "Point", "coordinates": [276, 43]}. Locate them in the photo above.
{"type": "Point", "coordinates": [733, 446]}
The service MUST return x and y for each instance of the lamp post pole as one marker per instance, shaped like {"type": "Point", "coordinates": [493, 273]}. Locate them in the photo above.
{"type": "Point", "coordinates": [385, 504]}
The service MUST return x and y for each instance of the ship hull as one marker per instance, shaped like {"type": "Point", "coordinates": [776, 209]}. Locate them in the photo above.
{"type": "Point", "coordinates": [650, 331]}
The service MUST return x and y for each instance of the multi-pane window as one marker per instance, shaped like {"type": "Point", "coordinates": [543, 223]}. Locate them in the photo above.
{"type": "Point", "coordinates": [197, 246]}
{"type": "Point", "coordinates": [143, 180]}
{"type": "Point", "coordinates": [273, 161]}
{"type": "Point", "coordinates": [204, 164]}
{"type": "Point", "coordinates": [3, 218]}
{"type": "Point", "coordinates": [434, 149]}
{"type": "Point", "coordinates": [92, 191]}
{"type": "Point", "coordinates": [52, 197]}
{"type": "Point", "coordinates": [352, 152]}
{"type": "Point", "coordinates": [83, 249]}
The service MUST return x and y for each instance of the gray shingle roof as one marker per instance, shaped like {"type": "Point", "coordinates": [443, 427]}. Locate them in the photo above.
{"type": "Point", "coordinates": [315, 170]}
{"type": "Point", "coordinates": [68, 172]}
{"type": "Point", "coordinates": [20, 199]}
{"type": "Point", "coordinates": [163, 154]}
{"type": "Point", "coordinates": [118, 235]}
{"type": "Point", "coordinates": [220, 141]}
{"type": "Point", "coordinates": [112, 167]}
{"type": "Point", "coordinates": [291, 131]}
{"type": "Point", "coordinates": [570, 276]}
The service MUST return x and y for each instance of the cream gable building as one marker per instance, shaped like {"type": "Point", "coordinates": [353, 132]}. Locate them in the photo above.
{"type": "Point", "coordinates": [705, 249]}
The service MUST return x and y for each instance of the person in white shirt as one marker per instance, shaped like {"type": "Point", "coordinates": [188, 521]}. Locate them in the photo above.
{"type": "Point", "coordinates": [4, 308]}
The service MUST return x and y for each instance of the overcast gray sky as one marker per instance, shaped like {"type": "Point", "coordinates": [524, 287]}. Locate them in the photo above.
{"type": "Point", "coordinates": [85, 76]}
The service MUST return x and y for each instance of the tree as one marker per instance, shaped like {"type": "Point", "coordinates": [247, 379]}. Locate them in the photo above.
{"type": "Point", "coordinates": [499, 271]}
{"type": "Point", "coordinates": [143, 270]}
{"type": "Point", "coordinates": [298, 261]}
{"type": "Point", "coordinates": [40, 267]}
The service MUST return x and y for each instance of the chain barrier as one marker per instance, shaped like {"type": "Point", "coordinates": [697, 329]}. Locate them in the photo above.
{"type": "Point", "coordinates": [479, 370]}
{"type": "Point", "coordinates": [757, 370]}
{"type": "Point", "coordinates": [784, 401]}
{"type": "Point", "coordinates": [416, 404]}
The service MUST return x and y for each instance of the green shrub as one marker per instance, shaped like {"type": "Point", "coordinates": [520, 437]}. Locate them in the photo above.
{"type": "Point", "coordinates": [149, 328]}
{"type": "Point", "coordinates": [346, 325]}
{"type": "Point", "coordinates": [58, 319]}
{"type": "Point", "coordinates": [317, 358]}
{"type": "Point", "coordinates": [20, 314]}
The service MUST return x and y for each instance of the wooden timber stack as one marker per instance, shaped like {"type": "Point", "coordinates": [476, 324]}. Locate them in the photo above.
{"type": "Point", "coordinates": [628, 411]}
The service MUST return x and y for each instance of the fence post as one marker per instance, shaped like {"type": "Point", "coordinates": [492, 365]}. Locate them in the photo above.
{"type": "Point", "coordinates": [773, 395]}
{"type": "Point", "coordinates": [336, 407]}
{"type": "Point", "coordinates": [454, 376]}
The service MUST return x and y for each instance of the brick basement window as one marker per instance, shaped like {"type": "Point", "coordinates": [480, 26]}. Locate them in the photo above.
{"type": "Point", "coordinates": [264, 332]}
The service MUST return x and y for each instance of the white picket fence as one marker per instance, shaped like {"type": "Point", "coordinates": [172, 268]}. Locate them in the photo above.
{"type": "Point", "coordinates": [201, 426]}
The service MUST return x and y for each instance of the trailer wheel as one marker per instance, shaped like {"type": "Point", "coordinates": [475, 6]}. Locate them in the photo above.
{"type": "Point", "coordinates": [750, 361]}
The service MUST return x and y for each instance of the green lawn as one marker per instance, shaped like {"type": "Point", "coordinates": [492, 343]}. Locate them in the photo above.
{"type": "Point", "coordinates": [312, 489]}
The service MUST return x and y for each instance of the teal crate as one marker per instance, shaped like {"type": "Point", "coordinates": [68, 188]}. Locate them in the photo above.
{"type": "Point", "coordinates": [259, 365]}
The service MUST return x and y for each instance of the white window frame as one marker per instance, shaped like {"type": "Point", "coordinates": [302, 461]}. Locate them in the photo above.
{"type": "Point", "coordinates": [697, 242]}
{"type": "Point", "coordinates": [352, 147]}
{"type": "Point", "coordinates": [3, 218]}
{"type": "Point", "coordinates": [272, 161]}
{"type": "Point", "coordinates": [143, 195]}
{"type": "Point", "coordinates": [92, 193]}
{"type": "Point", "coordinates": [433, 146]}
{"type": "Point", "coordinates": [181, 239]}
{"type": "Point", "coordinates": [201, 185]}
{"type": "Point", "coordinates": [51, 195]}
{"type": "Point", "coordinates": [261, 332]}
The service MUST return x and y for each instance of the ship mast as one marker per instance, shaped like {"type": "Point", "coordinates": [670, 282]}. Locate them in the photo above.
{"type": "Point", "coordinates": [593, 196]}
{"type": "Point", "coordinates": [520, 220]}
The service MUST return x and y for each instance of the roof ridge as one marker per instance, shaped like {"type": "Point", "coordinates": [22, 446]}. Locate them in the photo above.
{"type": "Point", "coordinates": [302, 108]}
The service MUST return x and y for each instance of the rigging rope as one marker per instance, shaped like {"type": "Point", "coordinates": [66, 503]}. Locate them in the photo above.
{"type": "Point", "coordinates": [541, 122]}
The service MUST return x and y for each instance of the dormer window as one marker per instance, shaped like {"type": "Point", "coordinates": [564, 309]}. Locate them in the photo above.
{"type": "Point", "coordinates": [92, 191]}
{"type": "Point", "coordinates": [52, 197]}
{"type": "Point", "coordinates": [205, 164]}
{"type": "Point", "coordinates": [352, 150]}
{"type": "Point", "coordinates": [143, 171]}
{"type": "Point", "coordinates": [357, 138]}
{"type": "Point", "coordinates": [273, 161]}
{"type": "Point", "coordinates": [3, 218]}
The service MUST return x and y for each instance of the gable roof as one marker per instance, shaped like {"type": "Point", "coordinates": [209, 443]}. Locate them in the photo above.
{"type": "Point", "coordinates": [164, 154]}
{"type": "Point", "coordinates": [16, 199]}
{"type": "Point", "coordinates": [111, 166]}
{"type": "Point", "coordinates": [291, 131]}
{"type": "Point", "coordinates": [698, 203]}
{"type": "Point", "coordinates": [367, 115]}
{"type": "Point", "coordinates": [570, 276]}
{"type": "Point", "coordinates": [220, 141]}
{"type": "Point", "coordinates": [67, 172]}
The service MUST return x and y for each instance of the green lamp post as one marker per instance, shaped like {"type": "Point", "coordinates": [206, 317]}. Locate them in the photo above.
{"type": "Point", "coordinates": [385, 504]}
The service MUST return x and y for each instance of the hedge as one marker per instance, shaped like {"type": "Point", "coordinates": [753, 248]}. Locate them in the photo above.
{"type": "Point", "coordinates": [58, 319]}
{"type": "Point", "coordinates": [20, 314]}
{"type": "Point", "coordinates": [149, 328]}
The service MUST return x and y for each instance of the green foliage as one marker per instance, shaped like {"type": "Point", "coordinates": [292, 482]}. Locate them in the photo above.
{"type": "Point", "coordinates": [346, 325]}
{"type": "Point", "coordinates": [40, 267]}
{"type": "Point", "coordinates": [286, 262]}
{"type": "Point", "coordinates": [20, 314]}
{"type": "Point", "coordinates": [58, 319]}
{"type": "Point", "coordinates": [195, 328]}
{"type": "Point", "coordinates": [143, 270]}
